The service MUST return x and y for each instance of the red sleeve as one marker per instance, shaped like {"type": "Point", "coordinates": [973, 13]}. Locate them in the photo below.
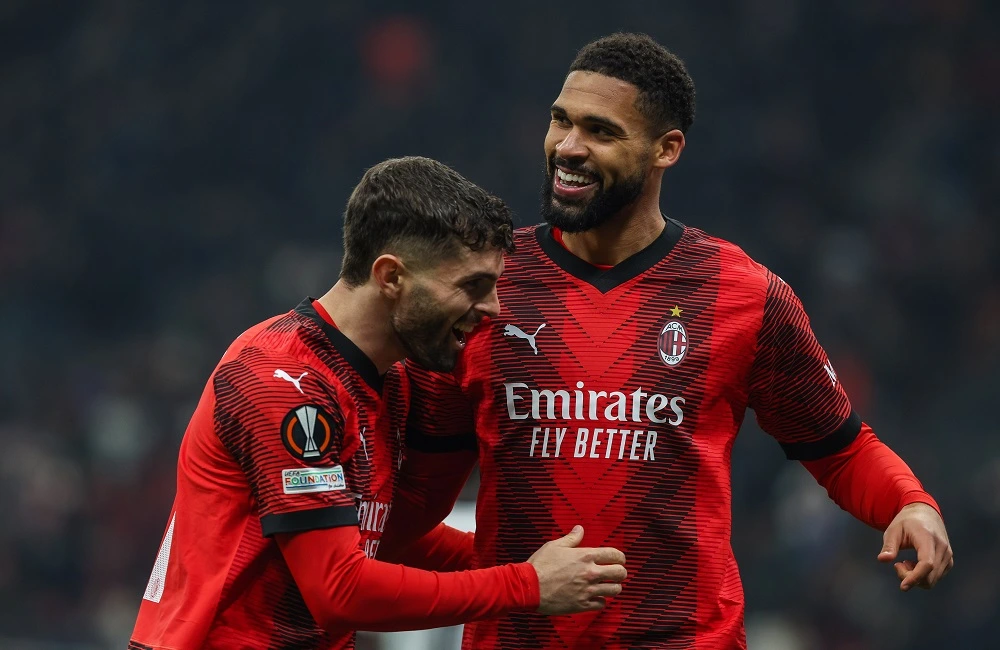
{"type": "Point", "coordinates": [428, 485]}
{"type": "Point", "coordinates": [285, 429]}
{"type": "Point", "coordinates": [869, 481]}
{"type": "Point", "coordinates": [441, 418]}
{"type": "Point", "coordinates": [794, 390]}
{"type": "Point", "coordinates": [441, 451]}
{"type": "Point", "coordinates": [343, 589]}
{"type": "Point", "coordinates": [443, 549]}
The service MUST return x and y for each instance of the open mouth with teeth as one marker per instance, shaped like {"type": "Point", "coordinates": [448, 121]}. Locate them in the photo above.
{"type": "Point", "coordinates": [573, 184]}
{"type": "Point", "coordinates": [460, 331]}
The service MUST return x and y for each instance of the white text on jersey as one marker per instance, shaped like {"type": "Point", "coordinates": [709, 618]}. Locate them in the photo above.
{"type": "Point", "coordinates": [524, 402]}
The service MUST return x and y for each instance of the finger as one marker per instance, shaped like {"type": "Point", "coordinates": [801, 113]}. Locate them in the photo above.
{"type": "Point", "coordinates": [607, 589]}
{"type": "Point", "coordinates": [917, 575]}
{"type": "Point", "coordinates": [610, 573]}
{"type": "Point", "coordinates": [595, 604]}
{"type": "Point", "coordinates": [891, 540]}
{"type": "Point", "coordinates": [903, 568]}
{"type": "Point", "coordinates": [606, 555]}
{"type": "Point", "coordinates": [941, 566]}
{"type": "Point", "coordinates": [573, 539]}
{"type": "Point", "coordinates": [927, 547]}
{"type": "Point", "coordinates": [949, 565]}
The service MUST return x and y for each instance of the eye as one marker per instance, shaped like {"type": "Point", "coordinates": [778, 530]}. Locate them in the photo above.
{"type": "Point", "coordinates": [561, 120]}
{"type": "Point", "coordinates": [601, 131]}
{"type": "Point", "coordinates": [477, 289]}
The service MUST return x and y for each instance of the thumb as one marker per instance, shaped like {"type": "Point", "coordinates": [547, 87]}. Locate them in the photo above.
{"type": "Point", "coordinates": [890, 544]}
{"type": "Point", "coordinates": [573, 539]}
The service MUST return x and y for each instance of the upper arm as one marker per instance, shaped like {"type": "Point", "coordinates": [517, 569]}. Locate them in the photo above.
{"type": "Point", "coordinates": [794, 389]}
{"type": "Point", "coordinates": [287, 438]}
{"type": "Point", "coordinates": [441, 417]}
{"type": "Point", "coordinates": [324, 565]}
{"type": "Point", "coordinates": [440, 437]}
{"type": "Point", "coordinates": [441, 453]}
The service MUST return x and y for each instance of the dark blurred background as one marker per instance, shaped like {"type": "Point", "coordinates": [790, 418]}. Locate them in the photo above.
{"type": "Point", "coordinates": [171, 173]}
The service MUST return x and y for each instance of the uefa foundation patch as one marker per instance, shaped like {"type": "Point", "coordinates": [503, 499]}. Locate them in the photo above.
{"type": "Point", "coordinates": [313, 479]}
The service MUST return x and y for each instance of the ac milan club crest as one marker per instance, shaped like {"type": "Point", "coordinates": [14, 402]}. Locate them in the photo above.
{"type": "Point", "coordinates": [673, 343]}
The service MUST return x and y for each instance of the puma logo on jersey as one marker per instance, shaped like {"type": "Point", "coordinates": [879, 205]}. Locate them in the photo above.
{"type": "Point", "coordinates": [281, 374]}
{"type": "Point", "coordinates": [514, 330]}
{"type": "Point", "coordinates": [828, 367]}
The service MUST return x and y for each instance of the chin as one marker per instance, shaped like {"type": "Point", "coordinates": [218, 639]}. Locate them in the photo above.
{"type": "Point", "coordinates": [438, 364]}
{"type": "Point", "coordinates": [442, 362]}
{"type": "Point", "coordinates": [569, 220]}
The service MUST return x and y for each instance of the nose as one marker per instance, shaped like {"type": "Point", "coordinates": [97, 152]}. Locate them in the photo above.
{"type": "Point", "coordinates": [490, 305]}
{"type": "Point", "coordinates": [572, 146]}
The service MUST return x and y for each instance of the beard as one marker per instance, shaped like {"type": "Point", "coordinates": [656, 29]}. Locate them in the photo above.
{"type": "Point", "coordinates": [424, 332]}
{"type": "Point", "coordinates": [571, 216]}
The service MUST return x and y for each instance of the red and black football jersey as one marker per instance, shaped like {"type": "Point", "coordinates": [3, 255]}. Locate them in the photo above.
{"type": "Point", "coordinates": [295, 431]}
{"type": "Point", "coordinates": [612, 398]}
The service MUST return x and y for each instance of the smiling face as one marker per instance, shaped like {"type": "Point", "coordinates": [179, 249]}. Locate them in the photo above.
{"type": "Point", "coordinates": [443, 303]}
{"type": "Point", "coordinates": [598, 150]}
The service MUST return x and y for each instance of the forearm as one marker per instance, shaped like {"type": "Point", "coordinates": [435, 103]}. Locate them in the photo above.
{"type": "Point", "coordinates": [443, 549]}
{"type": "Point", "coordinates": [382, 597]}
{"type": "Point", "coordinates": [868, 480]}
{"type": "Point", "coordinates": [427, 489]}
{"type": "Point", "coordinates": [346, 590]}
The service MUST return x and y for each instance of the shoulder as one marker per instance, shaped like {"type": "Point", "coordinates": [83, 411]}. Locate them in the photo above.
{"type": "Point", "coordinates": [743, 276]}
{"type": "Point", "coordinates": [270, 367]}
{"type": "Point", "coordinates": [525, 234]}
{"type": "Point", "coordinates": [736, 268]}
{"type": "Point", "coordinates": [286, 336]}
{"type": "Point", "coordinates": [731, 256]}
{"type": "Point", "coordinates": [526, 242]}
{"type": "Point", "coordinates": [265, 399]}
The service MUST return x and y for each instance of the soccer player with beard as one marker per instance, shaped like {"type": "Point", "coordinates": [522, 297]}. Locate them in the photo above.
{"type": "Point", "coordinates": [613, 384]}
{"type": "Point", "coordinates": [286, 474]}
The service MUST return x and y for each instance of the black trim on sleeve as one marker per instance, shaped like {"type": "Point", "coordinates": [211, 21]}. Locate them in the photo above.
{"type": "Point", "coordinates": [836, 441]}
{"type": "Point", "coordinates": [440, 444]}
{"type": "Point", "coordinates": [605, 281]}
{"type": "Point", "coordinates": [303, 520]}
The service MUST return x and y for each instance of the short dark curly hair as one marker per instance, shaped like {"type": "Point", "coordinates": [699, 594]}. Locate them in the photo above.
{"type": "Point", "coordinates": [666, 91]}
{"type": "Point", "coordinates": [421, 210]}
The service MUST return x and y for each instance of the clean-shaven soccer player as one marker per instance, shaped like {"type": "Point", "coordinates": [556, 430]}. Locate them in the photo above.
{"type": "Point", "coordinates": [612, 386]}
{"type": "Point", "coordinates": [286, 474]}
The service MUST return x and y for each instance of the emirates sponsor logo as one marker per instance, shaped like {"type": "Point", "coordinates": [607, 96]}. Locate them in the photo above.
{"type": "Point", "coordinates": [625, 420]}
{"type": "Point", "coordinates": [524, 402]}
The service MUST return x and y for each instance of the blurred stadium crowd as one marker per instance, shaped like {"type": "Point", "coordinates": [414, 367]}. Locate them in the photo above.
{"type": "Point", "coordinates": [171, 173]}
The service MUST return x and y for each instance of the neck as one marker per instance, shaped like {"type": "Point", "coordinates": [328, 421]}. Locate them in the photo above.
{"type": "Point", "coordinates": [634, 228]}
{"type": "Point", "coordinates": [363, 316]}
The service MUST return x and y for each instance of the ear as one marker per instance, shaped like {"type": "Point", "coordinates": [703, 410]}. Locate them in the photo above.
{"type": "Point", "coordinates": [387, 272]}
{"type": "Point", "coordinates": [667, 149]}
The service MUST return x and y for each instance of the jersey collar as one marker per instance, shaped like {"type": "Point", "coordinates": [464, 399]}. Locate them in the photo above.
{"type": "Point", "coordinates": [605, 281]}
{"type": "Point", "coordinates": [351, 353]}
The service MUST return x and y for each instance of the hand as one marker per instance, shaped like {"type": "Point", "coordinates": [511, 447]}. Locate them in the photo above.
{"type": "Point", "coordinates": [918, 526]}
{"type": "Point", "coordinates": [572, 579]}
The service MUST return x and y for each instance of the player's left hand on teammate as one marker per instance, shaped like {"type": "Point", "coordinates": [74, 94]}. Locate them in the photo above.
{"type": "Point", "coordinates": [920, 527]}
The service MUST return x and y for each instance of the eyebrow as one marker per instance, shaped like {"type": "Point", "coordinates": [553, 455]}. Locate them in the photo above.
{"type": "Point", "coordinates": [592, 119]}
{"type": "Point", "coordinates": [479, 276]}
